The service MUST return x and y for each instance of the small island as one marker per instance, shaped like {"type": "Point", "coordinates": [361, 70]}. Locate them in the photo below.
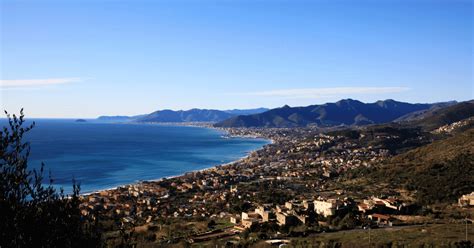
{"type": "Point", "coordinates": [81, 120]}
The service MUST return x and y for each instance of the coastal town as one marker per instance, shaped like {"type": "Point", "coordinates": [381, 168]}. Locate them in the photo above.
{"type": "Point", "coordinates": [237, 124]}
{"type": "Point", "coordinates": [289, 188]}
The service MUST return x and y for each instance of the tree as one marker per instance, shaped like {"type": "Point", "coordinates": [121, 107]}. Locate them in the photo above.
{"type": "Point", "coordinates": [32, 214]}
{"type": "Point", "coordinates": [211, 224]}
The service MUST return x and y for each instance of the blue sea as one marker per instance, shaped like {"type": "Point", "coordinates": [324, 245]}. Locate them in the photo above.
{"type": "Point", "coordinates": [106, 155]}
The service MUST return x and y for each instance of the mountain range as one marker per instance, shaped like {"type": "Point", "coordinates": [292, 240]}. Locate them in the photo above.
{"type": "Point", "coordinates": [192, 115]}
{"type": "Point", "coordinates": [343, 112]}
{"type": "Point", "coordinates": [346, 112]}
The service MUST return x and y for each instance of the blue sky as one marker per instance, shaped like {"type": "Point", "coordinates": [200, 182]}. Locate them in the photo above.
{"type": "Point", "coordinates": [90, 58]}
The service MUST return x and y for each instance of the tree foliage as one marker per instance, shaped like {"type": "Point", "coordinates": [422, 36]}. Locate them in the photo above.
{"type": "Point", "coordinates": [34, 214]}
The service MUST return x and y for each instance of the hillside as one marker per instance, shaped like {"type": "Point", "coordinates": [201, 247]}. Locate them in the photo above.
{"type": "Point", "coordinates": [437, 117]}
{"type": "Point", "coordinates": [417, 115]}
{"type": "Point", "coordinates": [438, 172]}
{"type": "Point", "coordinates": [344, 112]}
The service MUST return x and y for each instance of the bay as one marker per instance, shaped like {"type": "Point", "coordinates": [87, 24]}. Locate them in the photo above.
{"type": "Point", "coordinates": [106, 155]}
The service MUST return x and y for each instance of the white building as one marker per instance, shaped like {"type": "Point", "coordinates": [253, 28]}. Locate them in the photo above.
{"type": "Point", "coordinates": [466, 200]}
{"type": "Point", "coordinates": [326, 207]}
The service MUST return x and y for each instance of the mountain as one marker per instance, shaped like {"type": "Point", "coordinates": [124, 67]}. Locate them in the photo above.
{"type": "Point", "coordinates": [343, 112]}
{"type": "Point", "coordinates": [436, 117]}
{"type": "Point", "coordinates": [417, 115]}
{"type": "Point", "coordinates": [114, 118]}
{"type": "Point", "coordinates": [192, 115]}
{"type": "Point", "coordinates": [118, 118]}
{"type": "Point", "coordinates": [246, 111]}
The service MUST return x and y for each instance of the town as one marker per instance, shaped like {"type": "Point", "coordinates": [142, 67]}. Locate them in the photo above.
{"type": "Point", "coordinates": [289, 188]}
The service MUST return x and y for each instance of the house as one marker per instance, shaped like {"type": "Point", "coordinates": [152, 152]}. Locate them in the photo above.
{"type": "Point", "coordinates": [303, 217]}
{"type": "Point", "coordinates": [250, 215]}
{"type": "Point", "coordinates": [248, 223]}
{"type": "Point", "coordinates": [390, 203]}
{"type": "Point", "coordinates": [326, 208]}
{"type": "Point", "coordinates": [381, 219]}
{"type": "Point", "coordinates": [235, 219]}
{"type": "Point", "coordinates": [308, 205]}
{"type": "Point", "coordinates": [466, 200]}
{"type": "Point", "coordinates": [264, 213]}
{"type": "Point", "coordinates": [292, 204]}
{"type": "Point", "coordinates": [249, 219]}
{"type": "Point", "coordinates": [284, 218]}
{"type": "Point", "coordinates": [362, 207]}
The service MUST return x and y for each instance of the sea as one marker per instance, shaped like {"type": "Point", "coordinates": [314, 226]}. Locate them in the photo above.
{"type": "Point", "coordinates": [106, 155]}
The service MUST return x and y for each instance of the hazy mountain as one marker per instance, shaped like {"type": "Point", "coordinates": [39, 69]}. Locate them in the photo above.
{"type": "Point", "coordinates": [246, 111]}
{"type": "Point", "coordinates": [118, 118]}
{"type": "Point", "coordinates": [343, 112]}
{"type": "Point", "coordinates": [192, 115]}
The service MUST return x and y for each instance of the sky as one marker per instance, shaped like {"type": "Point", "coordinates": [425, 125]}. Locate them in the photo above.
{"type": "Point", "coordinates": [82, 59]}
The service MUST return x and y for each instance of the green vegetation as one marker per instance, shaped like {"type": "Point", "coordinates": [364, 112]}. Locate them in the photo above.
{"type": "Point", "coordinates": [438, 172]}
{"type": "Point", "coordinates": [445, 235]}
{"type": "Point", "coordinates": [34, 215]}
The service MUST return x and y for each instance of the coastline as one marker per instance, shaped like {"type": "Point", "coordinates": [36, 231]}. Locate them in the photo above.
{"type": "Point", "coordinates": [226, 134]}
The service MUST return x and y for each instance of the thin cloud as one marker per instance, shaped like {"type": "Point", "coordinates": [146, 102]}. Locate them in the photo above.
{"type": "Point", "coordinates": [34, 83]}
{"type": "Point", "coordinates": [327, 92]}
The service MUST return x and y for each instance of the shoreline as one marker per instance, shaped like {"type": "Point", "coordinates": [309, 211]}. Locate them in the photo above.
{"type": "Point", "coordinates": [207, 126]}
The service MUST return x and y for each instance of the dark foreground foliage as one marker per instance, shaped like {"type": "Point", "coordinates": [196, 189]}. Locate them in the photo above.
{"type": "Point", "coordinates": [32, 214]}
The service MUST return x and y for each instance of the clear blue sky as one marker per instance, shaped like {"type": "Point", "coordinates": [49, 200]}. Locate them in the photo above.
{"type": "Point", "coordinates": [90, 58]}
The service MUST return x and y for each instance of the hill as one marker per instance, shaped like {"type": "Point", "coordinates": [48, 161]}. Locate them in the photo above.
{"type": "Point", "coordinates": [435, 173]}
{"type": "Point", "coordinates": [417, 115]}
{"type": "Point", "coordinates": [437, 117]}
{"type": "Point", "coordinates": [343, 112]}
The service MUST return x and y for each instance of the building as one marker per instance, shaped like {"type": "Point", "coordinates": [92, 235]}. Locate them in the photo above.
{"type": "Point", "coordinates": [286, 219]}
{"type": "Point", "coordinates": [466, 200]}
{"type": "Point", "coordinates": [248, 223]}
{"type": "Point", "coordinates": [235, 219]}
{"type": "Point", "coordinates": [308, 205]}
{"type": "Point", "coordinates": [264, 212]}
{"type": "Point", "coordinates": [303, 217]}
{"type": "Point", "coordinates": [292, 204]}
{"type": "Point", "coordinates": [326, 208]}
{"type": "Point", "coordinates": [250, 215]}
{"type": "Point", "coordinates": [381, 219]}
{"type": "Point", "coordinates": [249, 219]}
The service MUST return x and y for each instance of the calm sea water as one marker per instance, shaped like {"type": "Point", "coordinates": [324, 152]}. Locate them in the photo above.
{"type": "Point", "coordinates": [101, 156]}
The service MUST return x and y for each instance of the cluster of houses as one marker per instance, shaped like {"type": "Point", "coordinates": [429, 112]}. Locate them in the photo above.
{"type": "Point", "coordinates": [307, 212]}
{"type": "Point", "coordinates": [127, 202]}
{"type": "Point", "coordinates": [453, 126]}
{"type": "Point", "coordinates": [299, 161]}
